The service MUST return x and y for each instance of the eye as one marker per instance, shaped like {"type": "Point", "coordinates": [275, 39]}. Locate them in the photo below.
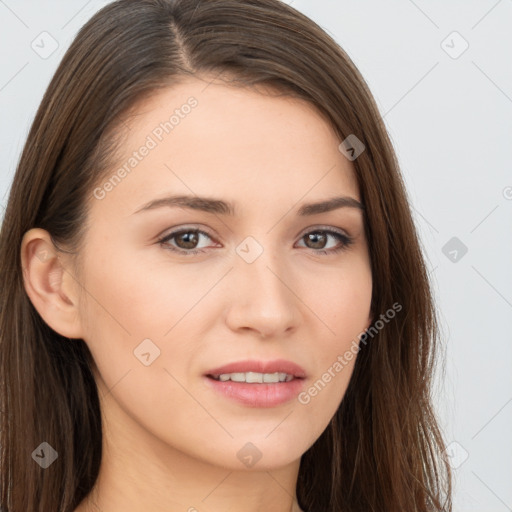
{"type": "Point", "coordinates": [185, 241]}
{"type": "Point", "coordinates": [326, 241]}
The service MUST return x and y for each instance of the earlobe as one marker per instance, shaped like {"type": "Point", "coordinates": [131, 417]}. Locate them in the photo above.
{"type": "Point", "coordinates": [49, 284]}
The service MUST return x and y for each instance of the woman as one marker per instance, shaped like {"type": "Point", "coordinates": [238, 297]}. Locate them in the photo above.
{"type": "Point", "coordinates": [214, 295]}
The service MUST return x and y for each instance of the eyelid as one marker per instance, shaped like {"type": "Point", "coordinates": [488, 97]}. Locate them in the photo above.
{"type": "Point", "coordinates": [176, 230]}
{"type": "Point", "coordinates": [323, 228]}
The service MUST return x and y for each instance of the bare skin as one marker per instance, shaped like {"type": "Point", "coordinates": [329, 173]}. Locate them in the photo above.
{"type": "Point", "coordinates": [171, 442]}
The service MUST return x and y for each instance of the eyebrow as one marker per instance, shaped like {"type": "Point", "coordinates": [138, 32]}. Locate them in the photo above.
{"type": "Point", "coordinates": [220, 207]}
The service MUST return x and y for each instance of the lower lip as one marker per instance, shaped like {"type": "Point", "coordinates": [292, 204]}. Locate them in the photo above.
{"type": "Point", "coordinates": [256, 394]}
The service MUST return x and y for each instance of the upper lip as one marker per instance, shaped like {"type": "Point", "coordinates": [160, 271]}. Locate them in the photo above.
{"type": "Point", "coordinates": [277, 365]}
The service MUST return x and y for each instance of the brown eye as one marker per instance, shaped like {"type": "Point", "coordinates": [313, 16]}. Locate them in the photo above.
{"type": "Point", "coordinates": [186, 241]}
{"type": "Point", "coordinates": [326, 241]}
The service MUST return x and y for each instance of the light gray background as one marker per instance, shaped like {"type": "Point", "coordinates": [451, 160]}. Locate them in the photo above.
{"type": "Point", "coordinates": [450, 118]}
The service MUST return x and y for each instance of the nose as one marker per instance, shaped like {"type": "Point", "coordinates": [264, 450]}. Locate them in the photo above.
{"type": "Point", "coordinates": [262, 299]}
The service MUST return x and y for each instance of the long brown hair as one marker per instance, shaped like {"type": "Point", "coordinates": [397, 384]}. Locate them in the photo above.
{"type": "Point", "coordinates": [382, 451]}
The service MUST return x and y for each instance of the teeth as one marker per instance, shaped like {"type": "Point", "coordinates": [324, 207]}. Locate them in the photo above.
{"type": "Point", "coordinates": [254, 377]}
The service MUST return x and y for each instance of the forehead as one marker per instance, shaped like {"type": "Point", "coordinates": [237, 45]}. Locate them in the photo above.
{"type": "Point", "coordinates": [211, 138]}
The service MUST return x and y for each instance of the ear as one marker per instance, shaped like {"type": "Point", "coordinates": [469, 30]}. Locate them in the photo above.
{"type": "Point", "coordinates": [50, 283]}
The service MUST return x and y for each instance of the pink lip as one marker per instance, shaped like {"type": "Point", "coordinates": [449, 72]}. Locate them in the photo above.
{"type": "Point", "coordinates": [259, 394]}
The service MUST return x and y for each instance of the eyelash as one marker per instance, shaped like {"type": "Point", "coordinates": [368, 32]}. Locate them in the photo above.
{"type": "Point", "coordinates": [346, 241]}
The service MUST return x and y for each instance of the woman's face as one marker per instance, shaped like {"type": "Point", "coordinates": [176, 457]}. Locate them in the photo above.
{"type": "Point", "coordinates": [237, 270]}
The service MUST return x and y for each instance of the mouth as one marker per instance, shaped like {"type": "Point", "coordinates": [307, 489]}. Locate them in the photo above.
{"type": "Point", "coordinates": [258, 383]}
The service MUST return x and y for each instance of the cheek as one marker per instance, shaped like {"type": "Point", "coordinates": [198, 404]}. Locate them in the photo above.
{"type": "Point", "coordinates": [325, 389]}
{"type": "Point", "coordinates": [138, 323]}
{"type": "Point", "coordinates": [341, 299]}
{"type": "Point", "coordinates": [136, 307]}
{"type": "Point", "coordinates": [144, 298]}
{"type": "Point", "coordinates": [342, 303]}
